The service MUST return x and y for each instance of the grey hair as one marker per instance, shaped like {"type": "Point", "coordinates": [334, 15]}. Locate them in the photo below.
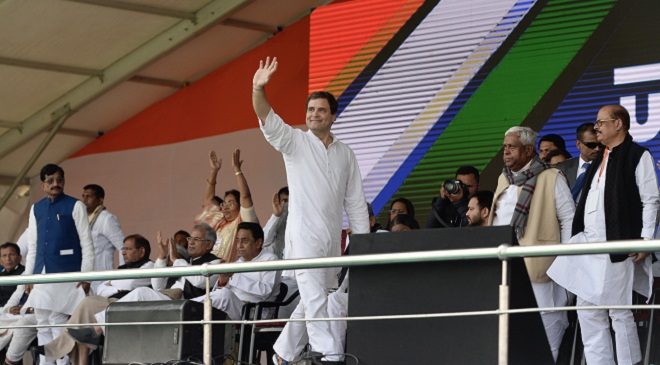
{"type": "Point", "coordinates": [209, 233]}
{"type": "Point", "coordinates": [526, 134]}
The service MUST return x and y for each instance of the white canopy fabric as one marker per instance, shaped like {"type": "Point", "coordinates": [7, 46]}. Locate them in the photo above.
{"type": "Point", "coordinates": [96, 63]}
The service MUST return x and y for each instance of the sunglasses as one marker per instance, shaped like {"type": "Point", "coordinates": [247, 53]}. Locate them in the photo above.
{"type": "Point", "coordinates": [592, 145]}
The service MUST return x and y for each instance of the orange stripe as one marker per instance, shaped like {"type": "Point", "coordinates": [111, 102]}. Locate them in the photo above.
{"type": "Point", "coordinates": [221, 101]}
{"type": "Point", "coordinates": [346, 37]}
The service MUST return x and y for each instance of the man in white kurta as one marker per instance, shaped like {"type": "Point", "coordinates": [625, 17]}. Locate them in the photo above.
{"type": "Point", "coordinates": [518, 157]}
{"type": "Point", "coordinates": [232, 291]}
{"type": "Point", "coordinates": [135, 250]}
{"type": "Point", "coordinates": [324, 179]}
{"type": "Point", "coordinates": [200, 244]}
{"type": "Point", "coordinates": [107, 235]}
{"type": "Point", "coordinates": [59, 240]}
{"type": "Point", "coordinates": [603, 279]}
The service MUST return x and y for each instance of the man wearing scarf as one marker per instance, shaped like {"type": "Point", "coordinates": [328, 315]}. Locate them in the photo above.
{"type": "Point", "coordinates": [534, 198]}
{"type": "Point", "coordinates": [107, 235]}
{"type": "Point", "coordinates": [619, 201]}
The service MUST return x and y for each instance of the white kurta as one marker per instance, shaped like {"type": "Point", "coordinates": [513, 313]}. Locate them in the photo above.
{"type": "Point", "coordinates": [108, 238]}
{"type": "Point", "coordinates": [547, 294]}
{"type": "Point", "coordinates": [59, 297]}
{"type": "Point", "coordinates": [323, 181]}
{"type": "Point", "coordinates": [109, 288]}
{"type": "Point", "coordinates": [274, 232]}
{"type": "Point", "coordinates": [246, 287]}
{"type": "Point", "coordinates": [506, 204]}
{"type": "Point", "coordinates": [592, 277]}
{"type": "Point", "coordinates": [198, 281]}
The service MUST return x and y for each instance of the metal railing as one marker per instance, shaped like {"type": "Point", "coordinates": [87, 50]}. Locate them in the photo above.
{"type": "Point", "coordinates": [502, 252]}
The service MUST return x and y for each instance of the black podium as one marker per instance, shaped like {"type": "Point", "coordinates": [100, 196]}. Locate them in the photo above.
{"type": "Point", "coordinates": [439, 287]}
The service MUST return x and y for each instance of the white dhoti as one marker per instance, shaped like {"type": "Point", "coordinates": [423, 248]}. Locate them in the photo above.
{"type": "Point", "coordinates": [598, 281]}
{"type": "Point", "coordinates": [53, 303]}
{"type": "Point", "coordinates": [55, 297]}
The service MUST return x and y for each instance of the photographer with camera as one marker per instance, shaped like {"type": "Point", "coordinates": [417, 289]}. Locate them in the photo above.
{"type": "Point", "coordinates": [449, 208]}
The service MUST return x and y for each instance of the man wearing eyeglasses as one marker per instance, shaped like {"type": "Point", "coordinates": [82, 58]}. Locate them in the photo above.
{"type": "Point", "coordinates": [135, 251]}
{"type": "Point", "coordinates": [59, 240]}
{"type": "Point", "coordinates": [575, 168]}
{"type": "Point", "coordinates": [200, 243]}
{"type": "Point", "coordinates": [534, 199]}
{"type": "Point", "coordinates": [619, 201]}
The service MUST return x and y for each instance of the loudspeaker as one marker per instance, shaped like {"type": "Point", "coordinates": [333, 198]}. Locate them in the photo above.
{"type": "Point", "coordinates": [440, 287]}
{"type": "Point", "coordinates": [161, 343]}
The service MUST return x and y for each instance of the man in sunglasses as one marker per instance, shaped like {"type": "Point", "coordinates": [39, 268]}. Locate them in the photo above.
{"type": "Point", "coordinates": [575, 168]}
{"type": "Point", "coordinates": [619, 201]}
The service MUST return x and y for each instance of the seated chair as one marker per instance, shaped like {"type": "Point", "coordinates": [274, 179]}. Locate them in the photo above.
{"type": "Point", "coordinates": [263, 336]}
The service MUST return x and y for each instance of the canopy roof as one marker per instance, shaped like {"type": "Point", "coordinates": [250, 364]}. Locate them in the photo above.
{"type": "Point", "coordinates": [73, 69]}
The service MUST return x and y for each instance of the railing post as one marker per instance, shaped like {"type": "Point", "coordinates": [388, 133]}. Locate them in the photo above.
{"type": "Point", "coordinates": [503, 335]}
{"type": "Point", "coordinates": [207, 326]}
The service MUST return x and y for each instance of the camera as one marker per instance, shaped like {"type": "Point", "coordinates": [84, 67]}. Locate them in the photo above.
{"type": "Point", "coordinates": [453, 187]}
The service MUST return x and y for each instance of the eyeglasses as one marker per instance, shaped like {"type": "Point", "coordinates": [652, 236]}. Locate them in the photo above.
{"type": "Point", "coordinates": [196, 240]}
{"type": "Point", "coordinates": [53, 180]}
{"type": "Point", "coordinates": [599, 122]}
{"type": "Point", "coordinates": [124, 249]}
{"type": "Point", "coordinates": [592, 145]}
{"type": "Point", "coordinates": [228, 204]}
{"type": "Point", "coordinates": [511, 147]}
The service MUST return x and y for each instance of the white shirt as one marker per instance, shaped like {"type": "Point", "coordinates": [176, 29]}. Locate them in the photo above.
{"type": "Point", "coordinates": [564, 205]}
{"type": "Point", "coordinates": [107, 237]}
{"type": "Point", "coordinates": [23, 245]}
{"type": "Point", "coordinates": [274, 231]}
{"type": "Point", "coordinates": [595, 278]}
{"type": "Point", "coordinates": [594, 221]}
{"type": "Point", "coordinates": [255, 287]}
{"type": "Point", "coordinates": [109, 288]}
{"type": "Point", "coordinates": [580, 170]}
{"type": "Point", "coordinates": [198, 281]}
{"type": "Point", "coordinates": [322, 182]}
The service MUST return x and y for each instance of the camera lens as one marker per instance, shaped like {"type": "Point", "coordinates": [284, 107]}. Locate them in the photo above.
{"type": "Point", "coordinates": [452, 186]}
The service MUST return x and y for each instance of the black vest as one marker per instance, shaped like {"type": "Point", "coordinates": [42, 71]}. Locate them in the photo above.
{"type": "Point", "coordinates": [7, 290]}
{"type": "Point", "coordinates": [190, 291]}
{"type": "Point", "coordinates": [623, 205]}
{"type": "Point", "coordinates": [133, 265]}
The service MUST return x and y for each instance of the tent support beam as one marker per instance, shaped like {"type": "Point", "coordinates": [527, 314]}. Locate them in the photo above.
{"type": "Point", "coordinates": [121, 70]}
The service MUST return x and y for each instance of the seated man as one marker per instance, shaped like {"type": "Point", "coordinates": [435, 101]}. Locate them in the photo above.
{"type": "Point", "coordinates": [10, 258]}
{"type": "Point", "coordinates": [233, 290]}
{"type": "Point", "coordinates": [136, 250]}
{"type": "Point", "coordinates": [200, 244]}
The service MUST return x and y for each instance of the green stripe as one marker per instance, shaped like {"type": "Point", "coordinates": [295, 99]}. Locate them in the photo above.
{"type": "Point", "coordinates": [506, 96]}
